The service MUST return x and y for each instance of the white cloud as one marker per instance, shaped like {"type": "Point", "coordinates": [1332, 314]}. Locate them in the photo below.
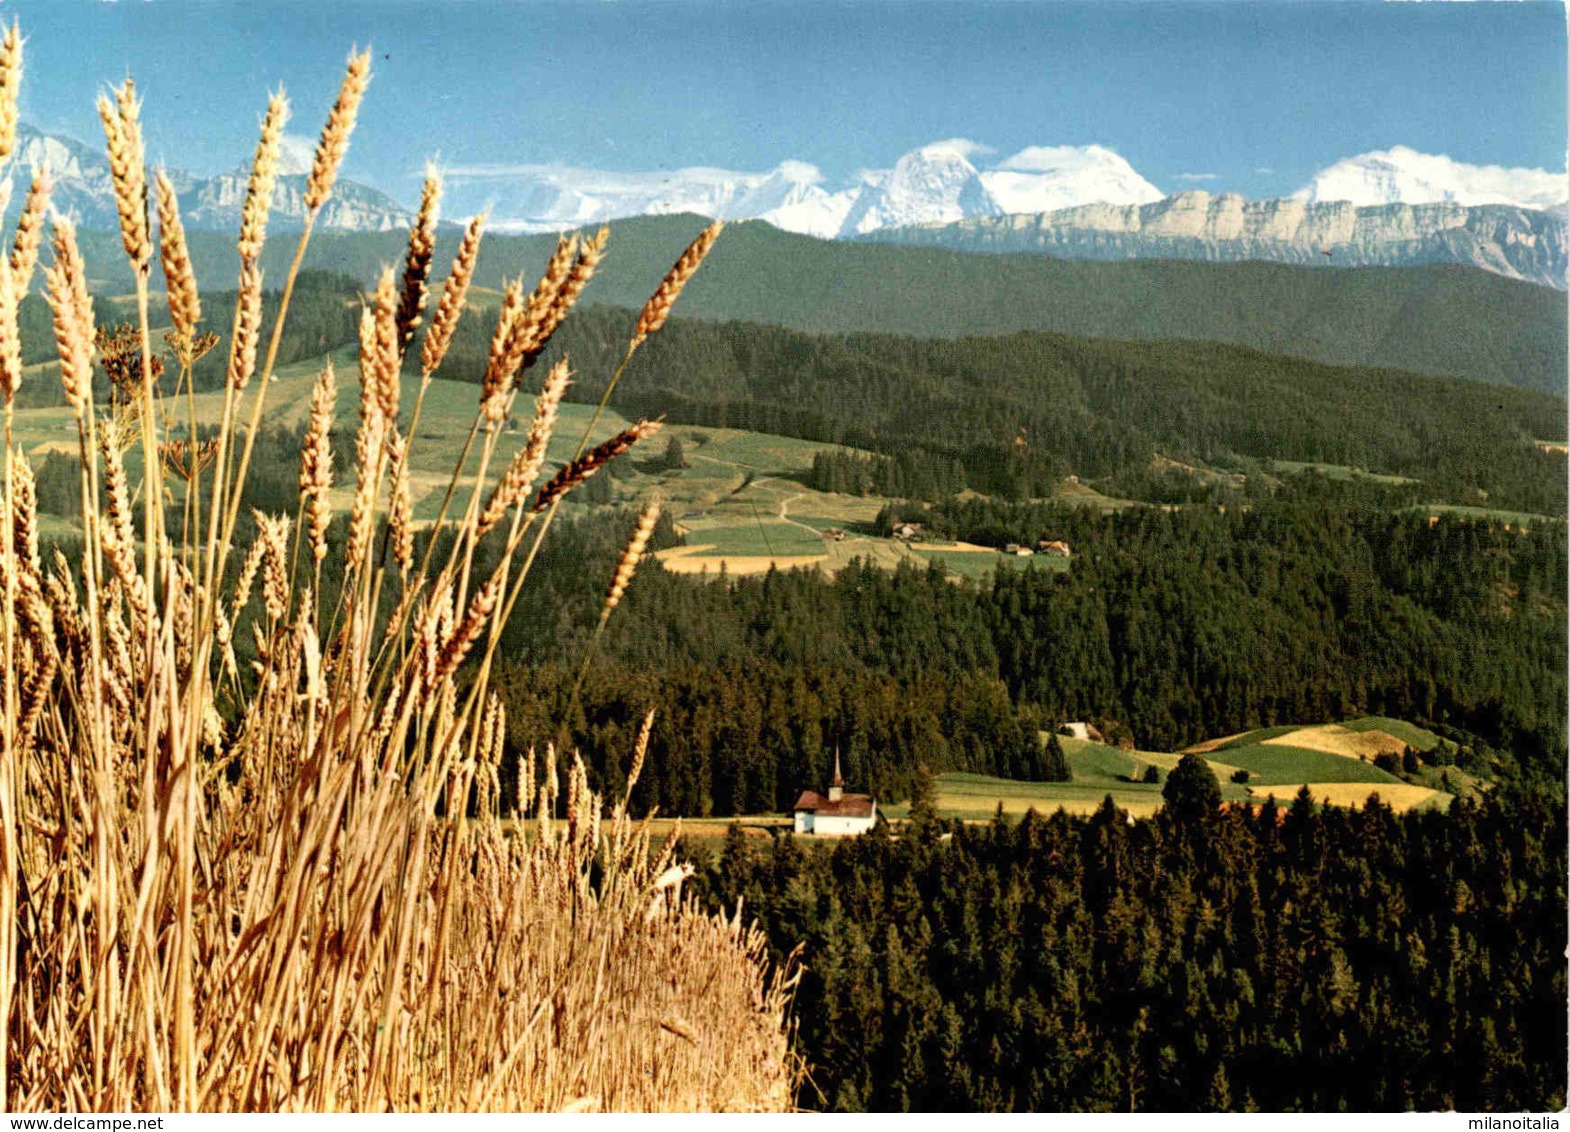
{"type": "Point", "coordinates": [965, 147]}
{"type": "Point", "coordinates": [802, 171]}
{"type": "Point", "coordinates": [1197, 176]}
{"type": "Point", "coordinates": [600, 179]}
{"type": "Point", "coordinates": [1051, 158]}
{"type": "Point", "coordinates": [1264, 170]}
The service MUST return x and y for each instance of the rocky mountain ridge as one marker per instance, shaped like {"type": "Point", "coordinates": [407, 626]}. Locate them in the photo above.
{"type": "Point", "coordinates": [83, 191]}
{"type": "Point", "coordinates": [1518, 243]}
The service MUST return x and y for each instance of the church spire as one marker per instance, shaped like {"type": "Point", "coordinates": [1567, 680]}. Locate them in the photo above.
{"type": "Point", "coordinates": [837, 786]}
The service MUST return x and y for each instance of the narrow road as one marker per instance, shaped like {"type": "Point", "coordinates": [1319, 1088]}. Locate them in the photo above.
{"type": "Point", "coordinates": [784, 513]}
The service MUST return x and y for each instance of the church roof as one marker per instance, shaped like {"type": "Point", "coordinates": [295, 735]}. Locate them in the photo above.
{"type": "Point", "coordinates": [848, 806]}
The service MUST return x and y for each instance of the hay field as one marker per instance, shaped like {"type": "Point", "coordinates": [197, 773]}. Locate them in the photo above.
{"type": "Point", "coordinates": [1334, 739]}
{"type": "Point", "coordinates": [1400, 796]}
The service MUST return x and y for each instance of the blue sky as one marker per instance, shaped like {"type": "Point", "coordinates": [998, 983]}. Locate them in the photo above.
{"type": "Point", "coordinates": [1251, 97]}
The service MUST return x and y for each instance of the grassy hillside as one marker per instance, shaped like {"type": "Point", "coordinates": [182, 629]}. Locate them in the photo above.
{"type": "Point", "coordinates": [1275, 771]}
{"type": "Point", "coordinates": [1440, 319]}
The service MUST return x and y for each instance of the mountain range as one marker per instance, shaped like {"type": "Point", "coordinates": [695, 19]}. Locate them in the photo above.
{"type": "Point", "coordinates": [934, 183]}
{"type": "Point", "coordinates": [82, 189]}
{"type": "Point", "coordinates": [1385, 208]}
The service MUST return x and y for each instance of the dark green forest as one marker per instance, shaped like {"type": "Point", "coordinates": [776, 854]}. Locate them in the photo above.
{"type": "Point", "coordinates": [1012, 415]}
{"type": "Point", "coordinates": [1293, 959]}
{"type": "Point", "coordinates": [1171, 627]}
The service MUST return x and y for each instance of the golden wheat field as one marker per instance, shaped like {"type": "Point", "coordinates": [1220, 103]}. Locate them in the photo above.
{"type": "Point", "coordinates": [294, 883]}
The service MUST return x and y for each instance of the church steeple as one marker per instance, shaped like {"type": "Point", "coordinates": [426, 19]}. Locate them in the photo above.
{"type": "Point", "coordinates": [837, 786]}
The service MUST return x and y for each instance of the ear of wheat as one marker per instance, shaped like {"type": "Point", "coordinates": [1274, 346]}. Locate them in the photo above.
{"type": "Point", "coordinates": [264, 176]}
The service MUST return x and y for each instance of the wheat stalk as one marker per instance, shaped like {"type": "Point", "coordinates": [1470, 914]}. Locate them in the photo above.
{"type": "Point", "coordinates": [73, 317]}
{"type": "Point", "coordinates": [10, 87]}
{"type": "Point", "coordinates": [316, 459]}
{"type": "Point", "coordinates": [548, 309]}
{"type": "Point", "coordinates": [417, 261]}
{"type": "Point", "coordinates": [630, 557]}
{"type": "Point", "coordinates": [514, 485]}
{"type": "Point", "coordinates": [658, 308]}
{"type": "Point", "coordinates": [30, 234]}
{"type": "Point", "coordinates": [286, 887]}
{"type": "Point", "coordinates": [454, 293]}
{"type": "Point", "coordinates": [10, 338]}
{"type": "Point", "coordinates": [121, 119]}
{"type": "Point", "coordinates": [185, 301]}
{"type": "Point", "coordinates": [247, 326]}
{"type": "Point", "coordinates": [264, 176]}
{"type": "Point", "coordinates": [504, 358]}
{"type": "Point", "coordinates": [400, 513]}
{"type": "Point", "coordinates": [334, 142]}
{"type": "Point", "coordinates": [575, 472]}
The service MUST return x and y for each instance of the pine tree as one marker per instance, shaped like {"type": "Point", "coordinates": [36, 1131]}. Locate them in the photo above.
{"type": "Point", "coordinates": [1054, 765]}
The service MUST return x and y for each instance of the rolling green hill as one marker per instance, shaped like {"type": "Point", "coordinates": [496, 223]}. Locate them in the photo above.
{"type": "Point", "coordinates": [1439, 319]}
{"type": "Point", "coordinates": [1012, 415]}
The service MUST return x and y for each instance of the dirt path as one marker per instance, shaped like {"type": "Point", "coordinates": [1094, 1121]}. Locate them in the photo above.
{"type": "Point", "coordinates": [785, 512]}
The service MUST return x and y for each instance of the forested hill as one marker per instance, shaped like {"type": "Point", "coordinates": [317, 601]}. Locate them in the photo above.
{"type": "Point", "coordinates": [1436, 319]}
{"type": "Point", "coordinates": [1011, 415]}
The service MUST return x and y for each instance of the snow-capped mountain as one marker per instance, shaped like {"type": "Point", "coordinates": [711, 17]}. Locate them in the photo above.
{"type": "Point", "coordinates": [80, 174]}
{"type": "Point", "coordinates": [1405, 176]}
{"type": "Point", "coordinates": [1045, 178]}
{"type": "Point", "coordinates": [544, 198]}
{"type": "Point", "coordinates": [935, 183]}
{"type": "Point", "coordinates": [83, 190]}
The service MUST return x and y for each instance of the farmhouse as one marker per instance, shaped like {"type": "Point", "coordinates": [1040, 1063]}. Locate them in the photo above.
{"type": "Point", "coordinates": [837, 813]}
{"type": "Point", "coordinates": [1055, 548]}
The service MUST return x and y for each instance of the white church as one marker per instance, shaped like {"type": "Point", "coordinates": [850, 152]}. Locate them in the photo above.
{"type": "Point", "coordinates": [839, 812]}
